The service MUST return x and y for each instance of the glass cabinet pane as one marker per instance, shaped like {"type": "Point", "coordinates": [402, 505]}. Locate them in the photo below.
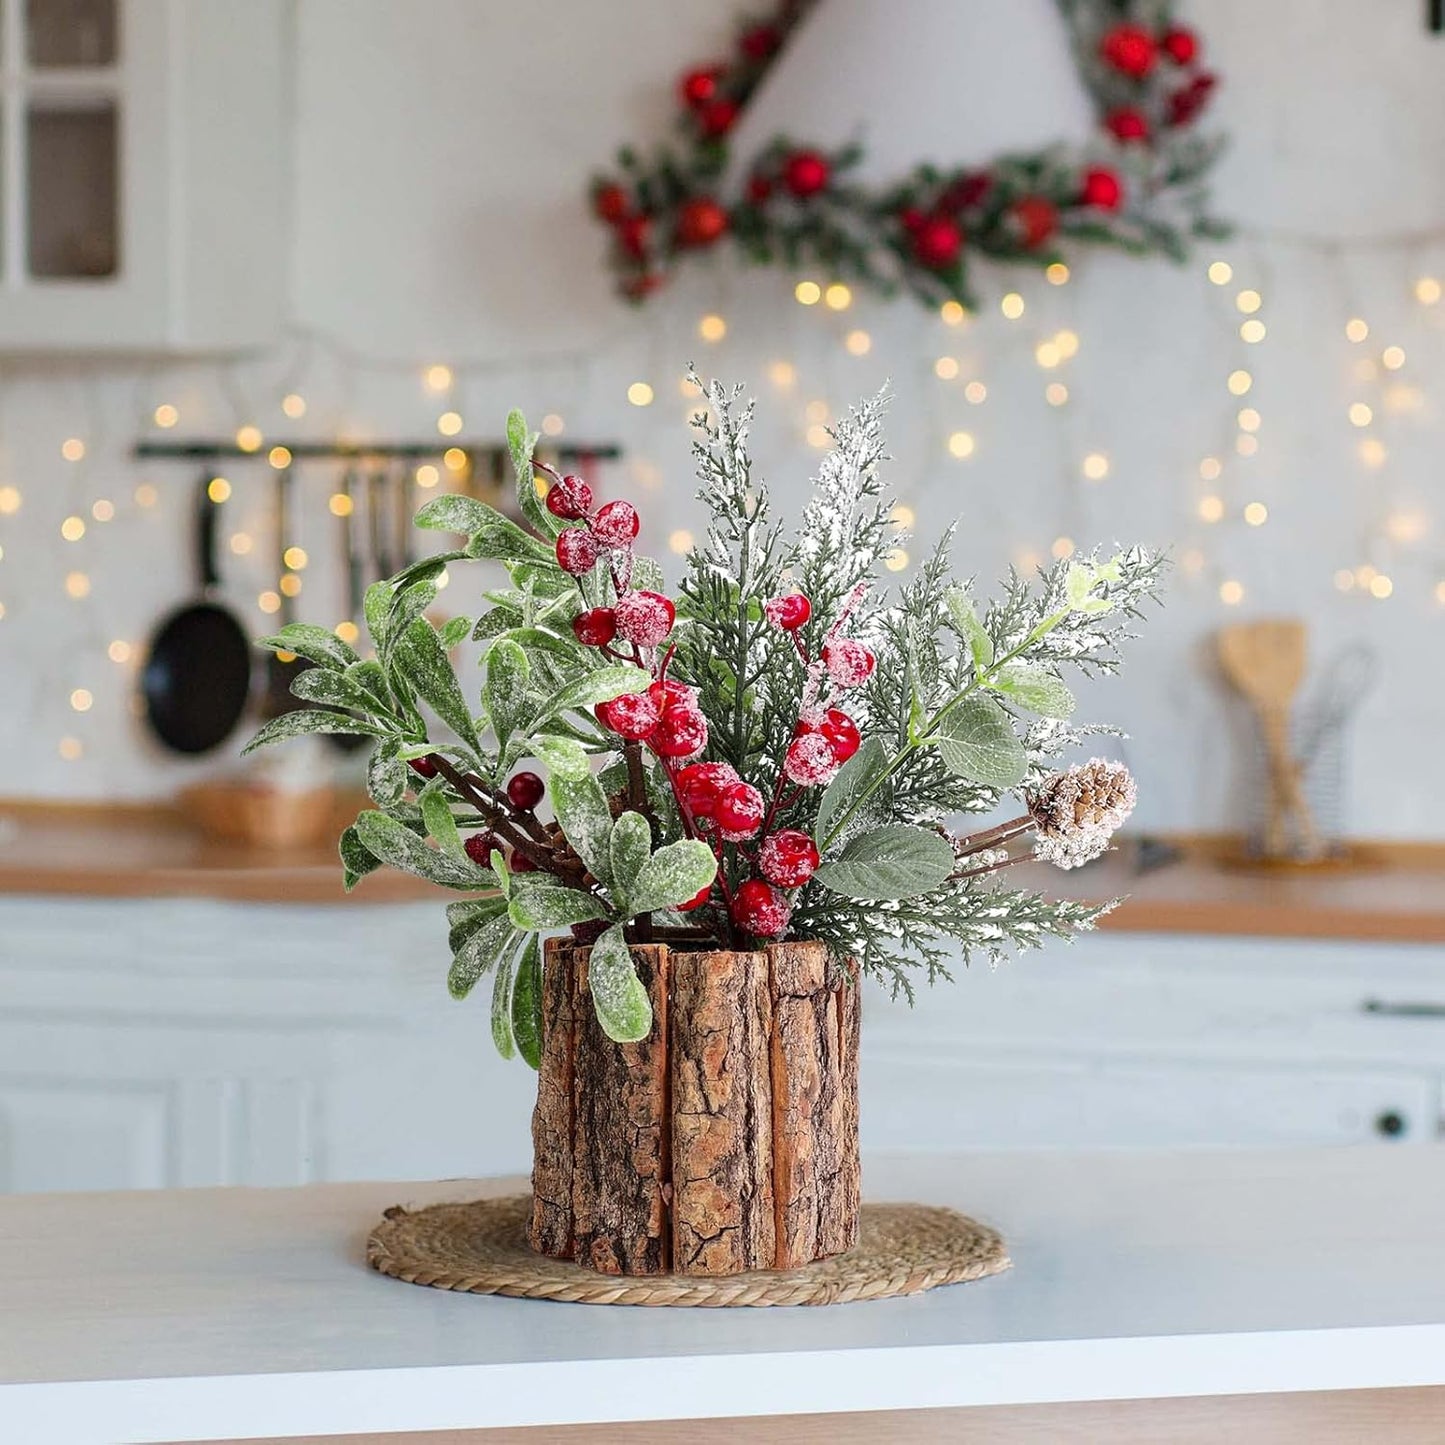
{"type": "Point", "coordinates": [72, 209]}
{"type": "Point", "coordinates": [72, 33]}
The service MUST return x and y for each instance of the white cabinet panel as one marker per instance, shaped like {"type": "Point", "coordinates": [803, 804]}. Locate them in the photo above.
{"type": "Point", "coordinates": [57, 1135]}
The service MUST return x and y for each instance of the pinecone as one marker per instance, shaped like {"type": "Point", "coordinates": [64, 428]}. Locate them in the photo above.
{"type": "Point", "coordinates": [1078, 810]}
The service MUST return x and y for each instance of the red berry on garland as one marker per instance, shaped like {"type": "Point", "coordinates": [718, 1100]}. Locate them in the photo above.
{"type": "Point", "coordinates": [615, 526]}
{"type": "Point", "coordinates": [1127, 124]}
{"type": "Point", "coordinates": [698, 899]}
{"type": "Point", "coordinates": [525, 791]}
{"type": "Point", "coordinates": [596, 627]}
{"type": "Point", "coordinates": [810, 761]}
{"type": "Point", "coordinates": [911, 219]}
{"type": "Point", "coordinates": [699, 86]}
{"type": "Point", "coordinates": [760, 41]}
{"type": "Point", "coordinates": [701, 783]}
{"type": "Point", "coordinates": [937, 242]}
{"type": "Point", "coordinates": [1102, 190]}
{"type": "Point", "coordinates": [610, 203]}
{"type": "Point", "coordinates": [632, 235]}
{"type": "Point", "coordinates": [789, 612]}
{"type": "Point", "coordinates": [966, 191]}
{"type": "Point", "coordinates": [1180, 44]}
{"type": "Point", "coordinates": [716, 118]}
{"type": "Point", "coordinates": [849, 663]}
{"type": "Point", "coordinates": [739, 811]}
{"type": "Point", "coordinates": [700, 222]}
{"type": "Point", "coordinates": [1036, 219]}
{"type": "Point", "coordinates": [759, 189]}
{"type": "Point", "coordinates": [520, 863]}
{"type": "Point", "coordinates": [480, 847]}
{"type": "Point", "coordinates": [644, 617]}
{"type": "Point", "coordinates": [633, 716]}
{"type": "Point", "coordinates": [570, 499]}
{"type": "Point", "coordinates": [682, 733]}
{"type": "Point", "coordinates": [576, 551]}
{"type": "Point", "coordinates": [423, 767]}
{"type": "Point", "coordinates": [788, 859]}
{"type": "Point", "coordinates": [1185, 104]}
{"type": "Point", "coordinates": [806, 173]}
{"type": "Point", "coordinates": [760, 909]}
{"type": "Point", "coordinates": [1130, 50]}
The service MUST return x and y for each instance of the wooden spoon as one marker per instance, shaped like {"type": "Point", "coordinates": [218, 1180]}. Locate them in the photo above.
{"type": "Point", "coordinates": [1266, 662]}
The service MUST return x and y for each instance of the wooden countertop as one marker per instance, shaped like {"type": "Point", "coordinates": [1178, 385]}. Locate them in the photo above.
{"type": "Point", "coordinates": [1138, 1275]}
{"type": "Point", "coordinates": [1396, 892]}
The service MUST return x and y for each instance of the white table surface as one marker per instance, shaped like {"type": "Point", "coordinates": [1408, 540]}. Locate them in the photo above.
{"type": "Point", "coordinates": [209, 1314]}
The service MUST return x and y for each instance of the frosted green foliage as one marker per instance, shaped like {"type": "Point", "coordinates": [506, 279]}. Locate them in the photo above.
{"type": "Point", "coordinates": [629, 848]}
{"type": "Point", "coordinates": [315, 644]}
{"type": "Point", "coordinates": [600, 686]}
{"type": "Point", "coordinates": [310, 720]}
{"type": "Point", "coordinates": [581, 809]}
{"type": "Point", "coordinates": [674, 874]}
{"type": "Point", "coordinates": [545, 907]}
{"type": "Point", "coordinates": [527, 1002]}
{"type": "Point", "coordinates": [504, 693]}
{"type": "Point", "coordinates": [977, 741]}
{"type": "Point", "coordinates": [898, 861]}
{"type": "Point", "coordinates": [617, 993]}
{"type": "Point", "coordinates": [422, 660]}
{"type": "Point", "coordinates": [480, 953]}
{"type": "Point", "coordinates": [502, 984]}
{"type": "Point", "coordinates": [391, 841]}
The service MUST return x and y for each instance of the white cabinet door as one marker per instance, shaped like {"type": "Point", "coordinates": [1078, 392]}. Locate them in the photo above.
{"type": "Point", "coordinates": [142, 175]}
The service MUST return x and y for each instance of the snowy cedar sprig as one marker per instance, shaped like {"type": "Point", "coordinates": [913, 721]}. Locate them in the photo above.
{"type": "Point", "coordinates": [776, 750]}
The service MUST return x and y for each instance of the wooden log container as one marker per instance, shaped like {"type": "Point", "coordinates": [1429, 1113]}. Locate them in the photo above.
{"type": "Point", "coordinates": [727, 1140]}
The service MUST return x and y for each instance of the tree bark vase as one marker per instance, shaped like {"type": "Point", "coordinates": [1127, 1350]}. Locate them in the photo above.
{"type": "Point", "coordinates": [725, 1141]}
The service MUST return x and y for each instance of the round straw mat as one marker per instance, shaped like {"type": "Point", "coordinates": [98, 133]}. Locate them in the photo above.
{"type": "Point", "coordinates": [482, 1248]}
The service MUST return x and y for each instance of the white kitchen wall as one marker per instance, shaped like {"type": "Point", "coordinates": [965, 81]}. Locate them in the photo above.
{"type": "Point", "coordinates": [441, 151]}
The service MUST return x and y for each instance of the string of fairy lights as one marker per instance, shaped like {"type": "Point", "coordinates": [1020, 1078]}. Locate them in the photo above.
{"type": "Point", "coordinates": [1385, 388]}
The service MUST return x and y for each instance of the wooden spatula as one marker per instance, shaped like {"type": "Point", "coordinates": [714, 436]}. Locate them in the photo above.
{"type": "Point", "coordinates": [1266, 661]}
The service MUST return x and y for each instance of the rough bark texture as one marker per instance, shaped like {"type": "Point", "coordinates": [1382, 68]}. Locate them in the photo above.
{"type": "Point", "coordinates": [551, 1230]}
{"type": "Point", "coordinates": [621, 1142]}
{"type": "Point", "coordinates": [815, 1105]}
{"type": "Point", "coordinates": [722, 1203]}
{"type": "Point", "coordinates": [725, 1141]}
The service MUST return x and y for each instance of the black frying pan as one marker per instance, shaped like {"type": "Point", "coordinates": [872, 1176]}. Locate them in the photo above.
{"type": "Point", "coordinates": [198, 670]}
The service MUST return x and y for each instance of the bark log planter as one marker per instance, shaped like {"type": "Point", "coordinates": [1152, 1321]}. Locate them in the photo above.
{"type": "Point", "coordinates": [727, 1140]}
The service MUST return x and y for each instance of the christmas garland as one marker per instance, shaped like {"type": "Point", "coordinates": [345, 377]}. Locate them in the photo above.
{"type": "Point", "coordinates": [1137, 185]}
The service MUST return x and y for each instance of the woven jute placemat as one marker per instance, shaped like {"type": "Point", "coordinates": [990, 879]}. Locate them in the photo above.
{"type": "Point", "coordinates": [482, 1248]}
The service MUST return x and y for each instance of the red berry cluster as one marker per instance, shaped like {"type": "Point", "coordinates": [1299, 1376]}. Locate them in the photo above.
{"type": "Point", "coordinates": [1138, 54]}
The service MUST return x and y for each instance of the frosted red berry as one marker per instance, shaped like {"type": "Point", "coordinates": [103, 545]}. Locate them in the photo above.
{"type": "Point", "coordinates": [615, 525]}
{"type": "Point", "coordinates": [673, 694]}
{"type": "Point", "coordinates": [760, 909]}
{"type": "Point", "coordinates": [789, 612]}
{"type": "Point", "coordinates": [696, 901]}
{"type": "Point", "coordinates": [596, 627]}
{"type": "Point", "coordinates": [576, 551]}
{"type": "Point", "coordinates": [700, 784]}
{"type": "Point", "coordinates": [525, 790]}
{"type": "Point", "coordinates": [610, 203]}
{"type": "Point", "coordinates": [644, 617]}
{"type": "Point", "coordinates": [681, 733]}
{"type": "Point", "coordinates": [423, 767]}
{"type": "Point", "coordinates": [849, 663]}
{"type": "Point", "coordinates": [480, 847]}
{"type": "Point", "coordinates": [739, 811]}
{"type": "Point", "coordinates": [841, 733]}
{"type": "Point", "coordinates": [788, 859]}
{"type": "Point", "coordinates": [571, 498]}
{"type": "Point", "coordinates": [633, 716]}
{"type": "Point", "coordinates": [810, 761]}
{"type": "Point", "coordinates": [520, 863]}
{"type": "Point", "coordinates": [699, 86]}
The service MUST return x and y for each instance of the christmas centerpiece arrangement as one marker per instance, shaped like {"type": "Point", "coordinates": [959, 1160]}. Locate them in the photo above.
{"type": "Point", "coordinates": [1137, 184]}
{"type": "Point", "coordinates": [682, 827]}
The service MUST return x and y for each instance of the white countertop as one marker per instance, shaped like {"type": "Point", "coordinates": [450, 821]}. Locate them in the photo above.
{"type": "Point", "coordinates": [216, 1314]}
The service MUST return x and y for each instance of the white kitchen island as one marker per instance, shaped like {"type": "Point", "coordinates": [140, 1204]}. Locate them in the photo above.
{"type": "Point", "coordinates": [232, 1313]}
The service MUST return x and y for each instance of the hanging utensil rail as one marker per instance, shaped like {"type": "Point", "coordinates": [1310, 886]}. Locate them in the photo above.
{"type": "Point", "coordinates": [204, 449]}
